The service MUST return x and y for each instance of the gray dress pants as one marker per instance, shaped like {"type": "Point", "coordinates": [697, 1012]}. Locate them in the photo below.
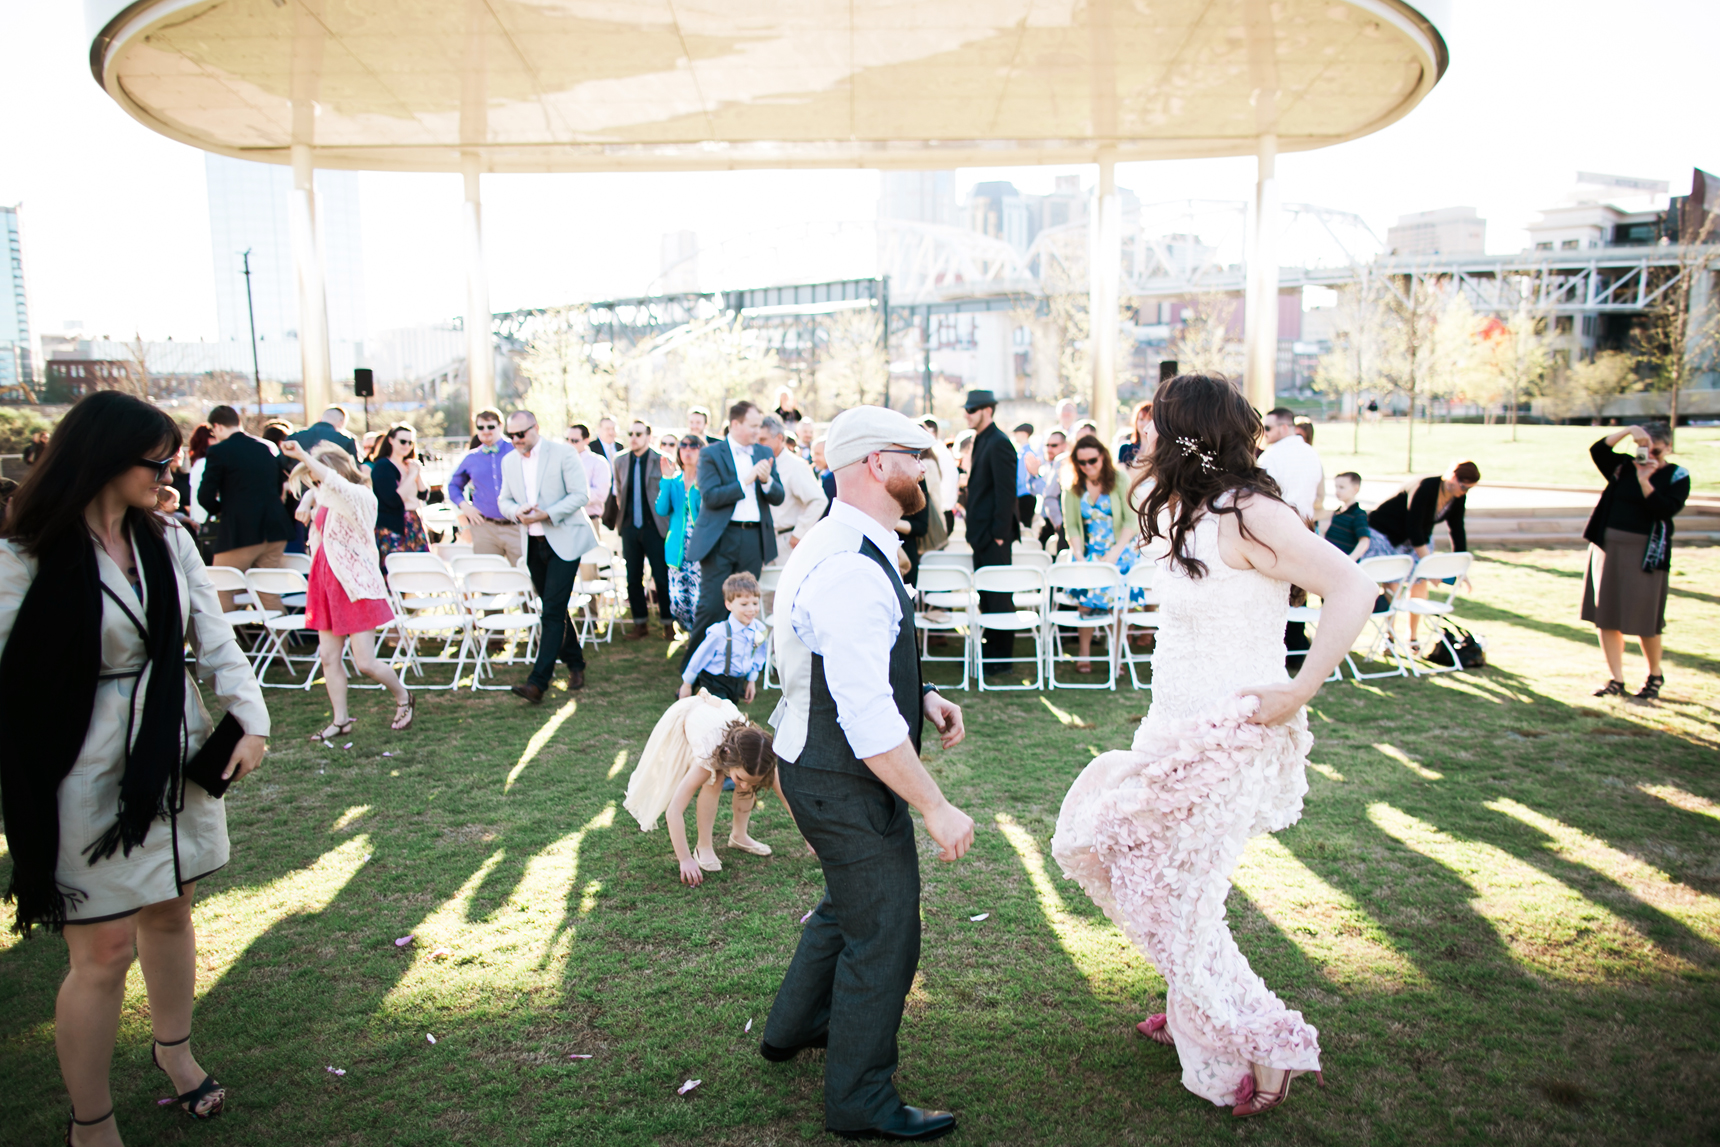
{"type": "Point", "coordinates": [855, 965]}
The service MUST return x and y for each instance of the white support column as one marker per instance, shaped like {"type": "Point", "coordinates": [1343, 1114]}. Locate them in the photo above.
{"type": "Point", "coordinates": [1105, 261]}
{"type": "Point", "coordinates": [317, 389]}
{"type": "Point", "coordinates": [480, 345]}
{"type": "Point", "coordinates": [1260, 316]}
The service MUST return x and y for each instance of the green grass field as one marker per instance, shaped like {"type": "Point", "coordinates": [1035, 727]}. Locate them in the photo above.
{"type": "Point", "coordinates": [1542, 455]}
{"type": "Point", "coordinates": [1502, 911]}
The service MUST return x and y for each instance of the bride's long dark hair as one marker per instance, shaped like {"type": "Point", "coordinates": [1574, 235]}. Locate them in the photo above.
{"type": "Point", "coordinates": [1207, 435]}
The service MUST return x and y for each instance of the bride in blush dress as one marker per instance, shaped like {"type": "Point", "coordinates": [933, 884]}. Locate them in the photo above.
{"type": "Point", "coordinates": [1153, 833]}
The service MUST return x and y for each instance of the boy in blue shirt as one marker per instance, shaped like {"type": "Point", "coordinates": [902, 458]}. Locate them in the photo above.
{"type": "Point", "coordinates": [728, 661]}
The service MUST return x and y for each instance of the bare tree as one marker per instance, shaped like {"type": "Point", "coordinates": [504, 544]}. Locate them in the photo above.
{"type": "Point", "coordinates": [1414, 303]}
{"type": "Point", "coordinates": [1678, 338]}
{"type": "Point", "coordinates": [1203, 343]}
{"type": "Point", "coordinates": [1359, 345]}
{"type": "Point", "coordinates": [1591, 385]}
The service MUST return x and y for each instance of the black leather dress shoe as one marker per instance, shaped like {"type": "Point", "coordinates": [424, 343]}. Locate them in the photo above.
{"type": "Point", "coordinates": [909, 1124]}
{"type": "Point", "coordinates": [782, 1054]}
{"type": "Point", "coordinates": [576, 678]}
{"type": "Point", "coordinates": [530, 692]}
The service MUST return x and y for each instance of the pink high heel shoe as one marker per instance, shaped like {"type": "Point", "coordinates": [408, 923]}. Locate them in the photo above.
{"type": "Point", "coordinates": [1252, 1101]}
{"type": "Point", "coordinates": [1155, 1029]}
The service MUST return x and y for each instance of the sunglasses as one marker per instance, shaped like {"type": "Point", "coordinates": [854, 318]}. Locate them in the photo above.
{"type": "Point", "coordinates": [519, 433]}
{"type": "Point", "coordinates": [637, 434]}
{"type": "Point", "coordinates": [1088, 461]}
{"type": "Point", "coordinates": [163, 470]}
{"type": "Point", "coordinates": [692, 444]}
{"type": "Point", "coordinates": [488, 426]}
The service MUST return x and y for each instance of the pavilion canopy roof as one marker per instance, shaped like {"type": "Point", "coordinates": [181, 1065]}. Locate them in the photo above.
{"type": "Point", "coordinates": [609, 85]}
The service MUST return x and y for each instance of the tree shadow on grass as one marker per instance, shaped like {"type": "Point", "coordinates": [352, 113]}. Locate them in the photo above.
{"type": "Point", "coordinates": [1551, 571]}
{"type": "Point", "coordinates": [1474, 610]}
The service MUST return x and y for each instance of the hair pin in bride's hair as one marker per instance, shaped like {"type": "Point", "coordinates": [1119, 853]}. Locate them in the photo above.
{"type": "Point", "coordinates": [1191, 449]}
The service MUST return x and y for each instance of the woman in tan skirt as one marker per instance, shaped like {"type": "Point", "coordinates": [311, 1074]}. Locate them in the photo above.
{"type": "Point", "coordinates": [98, 717]}
{"type": "Point", "coordinates": [1630, 556]}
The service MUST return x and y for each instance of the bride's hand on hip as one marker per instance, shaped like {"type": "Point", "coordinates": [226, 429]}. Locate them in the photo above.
{"type": "Point", "coordinates": [1278, 703]}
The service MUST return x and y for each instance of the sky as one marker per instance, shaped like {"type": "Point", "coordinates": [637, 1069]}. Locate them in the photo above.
{"type": "Point", "coordinates": [116, 230]}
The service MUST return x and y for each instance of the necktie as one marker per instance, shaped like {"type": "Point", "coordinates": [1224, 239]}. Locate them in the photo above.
{"type": "Point", "coordinates": [637, 481]}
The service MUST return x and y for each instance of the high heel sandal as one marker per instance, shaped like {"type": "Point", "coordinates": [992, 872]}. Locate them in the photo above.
{"type": "Point", "coordinates": [1650, 689]}
{"type": "Point", "coordinates": [1250, 1100]}
{"type": "Point", "coordinates": [72, 1120]}
{"type": "Point", "coordinates": [1156, 1029]}
{"type": "Point", "coordinates": [408, 711]}
{"type": "Point", "coordinates": [1613, 689]}
{"type": "Point", "coordinates": [191, 1099]}
{"type": "Point", "coordinates": [334, 729]}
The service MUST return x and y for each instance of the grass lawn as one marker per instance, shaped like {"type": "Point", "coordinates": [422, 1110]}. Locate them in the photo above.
{"type": "Point", "coordinates": [1543, 455]}
{"type": "Point", "coordinates": [1501, 910]}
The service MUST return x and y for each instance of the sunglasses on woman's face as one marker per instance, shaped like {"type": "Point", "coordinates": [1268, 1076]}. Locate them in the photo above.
{"type": "Point", "coordinates": [1088, 461]}
{"type": "Point", "coordinates": [163, 470]}
{"type": "Point", "coordinates": [692, 444]}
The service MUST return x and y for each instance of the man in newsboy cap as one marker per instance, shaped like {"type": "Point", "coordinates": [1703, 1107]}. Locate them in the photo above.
{"type": "Point", "coordinates": [848, 743]}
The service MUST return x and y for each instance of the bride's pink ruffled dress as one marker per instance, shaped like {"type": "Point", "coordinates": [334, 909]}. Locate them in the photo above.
{"type": "Point", "coordinates": [1153, 833]}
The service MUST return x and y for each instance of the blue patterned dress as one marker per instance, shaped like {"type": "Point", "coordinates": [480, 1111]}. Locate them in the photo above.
{"type": "Point", "coordinates": [1096, 528]}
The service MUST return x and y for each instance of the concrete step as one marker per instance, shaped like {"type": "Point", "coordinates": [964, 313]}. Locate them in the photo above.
{"type": "Point", "coordinates": [1574, 540]}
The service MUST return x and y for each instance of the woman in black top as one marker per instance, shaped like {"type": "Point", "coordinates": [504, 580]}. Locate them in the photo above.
{"type": "Point", "coordinates": [1406, 520]}
{"type": "Point", "coordinates": [1630, 532]}
{"type": "Point", "coordinates": [1138, 421]}
{"type": "Point", "coordinates": [394, 468]}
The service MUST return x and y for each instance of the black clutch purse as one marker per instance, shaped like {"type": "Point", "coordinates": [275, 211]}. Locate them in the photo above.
{"type": "Point", "coordinates": [208, 763]}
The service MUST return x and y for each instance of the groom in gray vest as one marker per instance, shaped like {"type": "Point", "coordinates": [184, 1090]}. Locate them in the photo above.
{"type": "Point", "coordinates": [848, 739]}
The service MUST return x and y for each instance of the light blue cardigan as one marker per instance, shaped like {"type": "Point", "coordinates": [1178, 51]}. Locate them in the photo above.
{"type": "Point", "coordinates": [681, 506]}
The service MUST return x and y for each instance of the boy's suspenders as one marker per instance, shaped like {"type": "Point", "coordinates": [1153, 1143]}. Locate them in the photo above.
{"type": "Point", "coordinates": [728, 648]}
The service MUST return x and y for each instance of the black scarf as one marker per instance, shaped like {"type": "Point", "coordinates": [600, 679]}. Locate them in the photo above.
{"type": "Point", "coordinates": [48, 677]}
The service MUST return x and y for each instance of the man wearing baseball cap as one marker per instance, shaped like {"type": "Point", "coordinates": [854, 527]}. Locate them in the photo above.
{"type": "Point", "coordinates": [848, 741]}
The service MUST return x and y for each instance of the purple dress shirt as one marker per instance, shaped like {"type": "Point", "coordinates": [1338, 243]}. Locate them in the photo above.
{"type": "Point", "coordinates": [479, 476]}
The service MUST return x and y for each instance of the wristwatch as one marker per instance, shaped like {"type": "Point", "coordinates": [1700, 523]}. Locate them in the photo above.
{"type": "Point", "coordinates": [927, 690]}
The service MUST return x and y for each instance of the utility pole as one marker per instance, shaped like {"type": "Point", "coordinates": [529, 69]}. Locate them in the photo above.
{"type": "Point", "coordinates": [251, 313]}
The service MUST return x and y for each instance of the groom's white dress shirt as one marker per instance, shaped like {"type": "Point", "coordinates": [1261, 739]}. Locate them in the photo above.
{"type": "Point", "coordinates": [840, 605]}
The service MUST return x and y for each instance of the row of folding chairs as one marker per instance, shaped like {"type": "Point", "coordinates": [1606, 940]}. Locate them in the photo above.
{"type": "Point", "coordinates": [1396, 576]}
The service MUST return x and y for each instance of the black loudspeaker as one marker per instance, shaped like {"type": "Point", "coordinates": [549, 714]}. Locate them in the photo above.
{"type": "Point", "coordinates": [1167, 370]}
{"type": "Point", "coordinates": [363, 383]}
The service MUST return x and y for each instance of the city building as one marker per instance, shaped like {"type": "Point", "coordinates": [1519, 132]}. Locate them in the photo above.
{"type": "Point", "coordinates": [17, 371]}
{"type": "Point", "coordinates": [248, 210]}
{"type": "Point", "coordinates": [918, 197]}
{"type": "Point", "coordinates": [1448, 231]}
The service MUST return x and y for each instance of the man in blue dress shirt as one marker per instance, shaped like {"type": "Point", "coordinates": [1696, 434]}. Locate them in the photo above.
{"type": "Point", "coordinates": [474, 486]}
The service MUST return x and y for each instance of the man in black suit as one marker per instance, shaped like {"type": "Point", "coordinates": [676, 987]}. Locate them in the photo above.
{"type": "Point", "coordinates": [241, 488]}
{"type": "Point", "coordinates": [993, 522]}
{"type": "Point", "coordinates": [738, 484]}
{"type": "Point", "coordinates": [331, 427]}
{"type": "Point", "coordinates": [638, 473]}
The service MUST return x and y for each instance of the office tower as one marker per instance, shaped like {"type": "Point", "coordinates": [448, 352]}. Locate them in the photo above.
{"type": "Point", "coordinates": [16, 368]}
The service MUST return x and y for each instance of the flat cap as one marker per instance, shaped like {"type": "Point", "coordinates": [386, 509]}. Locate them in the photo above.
{"type": "Point", "coordinates": [859, 430]}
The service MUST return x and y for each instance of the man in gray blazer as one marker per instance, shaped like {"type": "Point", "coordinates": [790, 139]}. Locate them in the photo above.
{"type": "Point", "coordinates": [738, 484]}
{"type": "Point", "coordinates": [638, 473]}
{"type": "Point", "coordinates": [544, 489]}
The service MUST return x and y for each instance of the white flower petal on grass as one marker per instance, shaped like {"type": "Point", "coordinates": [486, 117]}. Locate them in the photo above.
{"type": "Point", "coordinates": [440, 952]}
{"type": "Point", "coordinates": [403, 941]}
{"type": "Point", "coordinates": [808, 915]}
{"type": "Point", "coordinates": [688, 1086]}
{"type": "Point", "coordinates": [576, 1055]}
{"type": "Point", "coordinates": [388, 754]}
{"type": "Point", "coordinates": [981, 916]}
{"type": "Point", "coordinates": [429, 1037]}
{"type": "Point", "coordinates": [164, 1102]}
{"type": "Point", "coordinates": [748, 1028]}
{"type": "Point", "coordinates": [333, 1070]}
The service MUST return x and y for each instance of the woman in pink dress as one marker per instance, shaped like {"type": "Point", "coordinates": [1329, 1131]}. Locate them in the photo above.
{"type": "Point", "coordinates": [348, 598]}
{"type": "Point", "coordinates": [1153, 833]}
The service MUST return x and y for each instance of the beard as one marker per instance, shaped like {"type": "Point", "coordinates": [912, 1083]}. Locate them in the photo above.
{"type": "Point", "coordinates": [907, 493]}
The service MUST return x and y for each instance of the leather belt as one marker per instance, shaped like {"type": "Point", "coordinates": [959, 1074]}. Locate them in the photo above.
{"type": "Point", "coordinates": [745, 525]}
{"type": "Point", "coordinates": [498, 521]}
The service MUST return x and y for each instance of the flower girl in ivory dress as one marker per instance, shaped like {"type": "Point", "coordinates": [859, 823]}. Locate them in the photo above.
{"type": "Point", "coordinates": [1154, 833]}
{"type": "Point", "coordinates": [698, 742]}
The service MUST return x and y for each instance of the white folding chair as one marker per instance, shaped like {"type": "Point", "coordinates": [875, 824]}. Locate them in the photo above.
{"type": "Point", "coordinates": [768, 580]}
{"type": "Point", "coordinates": [1032, 559]}
{"type": "Point", "coordinates": [960, 561]}
{"type": "Point", "coordinates": [1436, 568]}
{"type": "Point", "coordinates": [439, 520]}
{"type": "Point", "coordinates": [300, 562]}
{"type": "Point", "coordinates": [418, 602]}
{"type": "Point", "coordinates": [1391, 575]}
{"type": "Point", "coordinates": [462, 564]}
{"type": "Point", "coordinates": [944, 605]}
{"type": "Point", "coordinates": [449, 551]}
{"type": "Point", "coordinates": [451, 628]}
{"type": "Point", "coordinates": [520, 620]}
{"type": "Point", "coordinates": [226, 579]}
{"type": "Point", "coordinates": [1137, 619]}
{"type": "Point", "coordinates": [1011, 580]}
{"type": "Point", "coordinates": [1310, 615]}
{"type": "Point", "coordinates": [282, 583]}
{"type": "Point", "coordinates": [1067, 579]}
{"type": "Point", "coordinates": [596, 602]}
